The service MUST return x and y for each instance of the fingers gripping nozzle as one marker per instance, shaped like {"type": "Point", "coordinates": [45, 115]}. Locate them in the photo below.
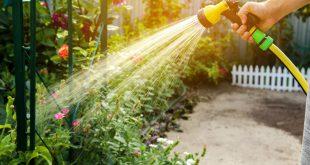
{"type": "Point", "coordinates": [211, 14]}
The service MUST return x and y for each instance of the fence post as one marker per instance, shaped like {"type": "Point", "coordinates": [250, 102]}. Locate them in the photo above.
{"type": "Point", "coordinates": [104, 13]}
{"type": "Point", "coordinates": [234, 75]}
{"type": "Point", "coordinates": [70, 35]}
{"type": "Point", "coordinates": [239, 77]}
{"type": "Point", "coordinates": [32, 73]}
{"type": "Point", "coordinates": [256, 76]}
{"type": "Point", "coordinates": [20, 98]}
{"type": "Point", "coordinates": [245, 78]}
{"type": "Point", "coordinates": [290, 83]}
{"type": "Point", "coordinates": [251, 76]}
{"type": "Point", "coordinates": [273, 78]}
{"type": "Point", "coordinates": [279, 77]}
{"type": "Point", "coordinates": [267, 83]}
{"type": "Point", "coordinates": [70, 70]}
{"type": "Point", "coordinates": [262, 77]}
{"type": "Point", "coordinates": [285, 76]}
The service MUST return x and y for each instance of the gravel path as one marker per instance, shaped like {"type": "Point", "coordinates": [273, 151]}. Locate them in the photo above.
{"type": "Point", "coordinates": [244, 126]}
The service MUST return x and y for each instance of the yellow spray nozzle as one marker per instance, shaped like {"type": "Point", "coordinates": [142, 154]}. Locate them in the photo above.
{"type": "Point", "coordinates": [211, 14]}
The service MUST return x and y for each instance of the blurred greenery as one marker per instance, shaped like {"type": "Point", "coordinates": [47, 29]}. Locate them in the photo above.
{"type": "Point", "coordinates": [303, 13]}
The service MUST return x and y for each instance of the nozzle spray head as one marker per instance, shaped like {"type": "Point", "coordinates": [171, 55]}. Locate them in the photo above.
{"type": "Point", "coordinates": [211, 14]}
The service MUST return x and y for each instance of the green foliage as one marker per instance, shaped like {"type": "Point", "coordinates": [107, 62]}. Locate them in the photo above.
{"type": "Point", "coordinates": [160, 12]}
{"type": "Point", "coordinates": [132, 30]}
{"type": "Point", "coordinates": [303, 13]}
{"type": "Point", "coordinates": [118, 121]}
{"type": "Point", "coordinates": [116, 125]}
{"type": "Point", "coordinates": [208, 61]}
{"type": "Point", "coordinates": [8, 153]}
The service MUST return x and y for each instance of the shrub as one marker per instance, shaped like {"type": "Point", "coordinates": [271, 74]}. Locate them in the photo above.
{"type": "Point", "coordinates": [208, 62]}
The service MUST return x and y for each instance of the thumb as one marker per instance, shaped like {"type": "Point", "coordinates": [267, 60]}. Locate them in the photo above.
{"type": "Point", "coordinates": [244, 11]}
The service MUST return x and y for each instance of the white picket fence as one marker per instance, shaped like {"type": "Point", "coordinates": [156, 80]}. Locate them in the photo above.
{"type": "Point", "coordinates": [278, 79]}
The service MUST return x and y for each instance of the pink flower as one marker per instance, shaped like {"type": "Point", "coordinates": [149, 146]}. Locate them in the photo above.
{"type": "Point", "coordinates": [60, 20]}
{"type": "Point", "coordinates": [55, 95]}
{"type": "Point", "coordinates": [59, 116]}
{"type": "Point", "coordinates": [136, 59]}
{"type": "Point", "coordinates": [75, 123]}
{"type": "Point", "coordinates": [65, 111]}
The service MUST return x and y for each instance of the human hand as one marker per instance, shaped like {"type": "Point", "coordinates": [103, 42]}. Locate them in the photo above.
{"type": "Point", "coordinates": [266, 14]}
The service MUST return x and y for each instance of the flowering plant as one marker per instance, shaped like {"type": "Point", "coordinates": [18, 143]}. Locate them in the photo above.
{"type": "Point", "coordinates": [63, 52]}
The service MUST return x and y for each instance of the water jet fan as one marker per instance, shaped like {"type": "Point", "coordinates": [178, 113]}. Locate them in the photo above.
{"type": "Point", "coordinates": [211, 14]}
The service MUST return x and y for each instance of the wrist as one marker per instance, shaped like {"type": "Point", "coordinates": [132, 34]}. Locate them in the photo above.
{"type": "Point", "coordinates": [281, 8]}
{"type": "Point", "coordinates": [276, 9]}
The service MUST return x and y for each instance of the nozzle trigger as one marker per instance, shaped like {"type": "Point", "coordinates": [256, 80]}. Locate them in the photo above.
{"type": "Point", "coordinates": [231, 14]}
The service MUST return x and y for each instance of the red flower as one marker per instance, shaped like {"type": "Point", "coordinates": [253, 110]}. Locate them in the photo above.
{"type": "Point", "coordinates": [63, 52]}
{"type": "Point", "coordinates": [119, 2]}
{"type": "Point", "coordinates": [223, 71]}
{"type": "Point", "coordinates": [65, 111]}
{"type": "Point", "coordinates": [86, 30]}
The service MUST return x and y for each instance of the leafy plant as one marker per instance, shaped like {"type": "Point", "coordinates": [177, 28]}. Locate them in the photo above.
{"type": "Point", "coordinates": [8, 153]}
{"type": "Point", "coordinates": [160, 12]}
{"type": "Point", "coordinates": [208, 61]}
{"type": "Point", "coordinates": [303, 13]}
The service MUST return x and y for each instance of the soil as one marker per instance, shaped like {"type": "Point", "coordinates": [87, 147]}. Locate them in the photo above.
{"type": "Point", "coordinates": [244, 126]}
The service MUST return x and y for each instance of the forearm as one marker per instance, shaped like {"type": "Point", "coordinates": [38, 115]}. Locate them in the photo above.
{"type": "Point", "coordinates": [282, 8]}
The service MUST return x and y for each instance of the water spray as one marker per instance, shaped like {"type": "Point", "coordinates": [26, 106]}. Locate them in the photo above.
{"type": "Point", "coordinates": [211, 14]}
